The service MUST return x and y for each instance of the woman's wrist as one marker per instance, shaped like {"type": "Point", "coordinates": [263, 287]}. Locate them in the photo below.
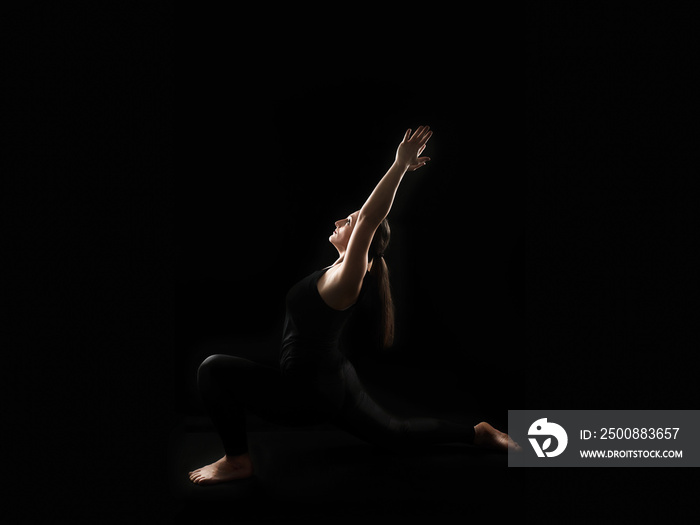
{"type": "Point", "coordinates": [401, 165]}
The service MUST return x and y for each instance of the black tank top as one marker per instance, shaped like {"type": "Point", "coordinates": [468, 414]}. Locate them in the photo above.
{"type": "Point", "coordinates": [312, 329]}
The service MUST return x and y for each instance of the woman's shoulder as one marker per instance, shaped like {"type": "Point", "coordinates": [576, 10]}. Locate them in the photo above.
{"type": "Point", "coordinates": [335, 291]}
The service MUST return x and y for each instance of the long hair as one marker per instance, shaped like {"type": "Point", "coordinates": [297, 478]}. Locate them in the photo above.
{"type": "Point", "coordinates": [380, 272]}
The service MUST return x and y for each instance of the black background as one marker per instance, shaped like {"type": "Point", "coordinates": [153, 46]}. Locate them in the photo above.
{"type": "Point", "coordinates": [173, 176]}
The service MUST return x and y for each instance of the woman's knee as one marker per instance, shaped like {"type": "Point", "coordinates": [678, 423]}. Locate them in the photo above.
{"type": "Point", "coordinates": [210, 369]}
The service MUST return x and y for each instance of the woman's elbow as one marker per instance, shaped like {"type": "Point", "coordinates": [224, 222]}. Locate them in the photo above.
{"type": "Point", "coordinates": [370, 218]}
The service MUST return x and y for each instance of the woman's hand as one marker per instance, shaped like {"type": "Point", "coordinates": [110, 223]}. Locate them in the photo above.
{"type": "Point", "coordinates": [412, 146]}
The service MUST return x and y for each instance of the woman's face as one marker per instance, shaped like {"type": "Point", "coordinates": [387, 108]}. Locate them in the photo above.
{"type": "Point", "coordinates": [343, 229]}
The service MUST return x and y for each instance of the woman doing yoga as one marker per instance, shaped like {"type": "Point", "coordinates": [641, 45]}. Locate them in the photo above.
{"type": "Point", "coordinates": [315, 383]}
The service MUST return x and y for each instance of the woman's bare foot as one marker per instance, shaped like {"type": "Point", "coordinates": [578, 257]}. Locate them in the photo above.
{"type": "Point", "coordinates": [225, 469]}
{"type": "Point", "coordinates": [488, 437]}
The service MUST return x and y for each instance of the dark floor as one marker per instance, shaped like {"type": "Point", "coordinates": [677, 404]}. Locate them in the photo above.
{"type": "Point", "coordinates": [314, 473]}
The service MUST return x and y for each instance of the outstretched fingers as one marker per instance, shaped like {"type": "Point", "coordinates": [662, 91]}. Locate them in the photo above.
{"type": "Point", "coordinates": [420, 136]}
{"type": "Point", "coordinates": [417, 135]}
{"type": "Point", "coordinates": [421, 133]}
{"type": "Point", "coordinates": [424, 138]}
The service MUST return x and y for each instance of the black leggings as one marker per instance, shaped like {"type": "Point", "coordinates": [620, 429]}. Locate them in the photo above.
{"type": "Point", "coordinates": [230, 386]}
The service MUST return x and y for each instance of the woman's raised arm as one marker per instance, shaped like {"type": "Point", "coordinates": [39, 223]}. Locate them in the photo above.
{"type": "Point", "coordinates": [379, 203]}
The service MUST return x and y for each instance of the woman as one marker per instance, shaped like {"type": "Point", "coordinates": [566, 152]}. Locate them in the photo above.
{"type": "Point", "coordinates": [315, 382]}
